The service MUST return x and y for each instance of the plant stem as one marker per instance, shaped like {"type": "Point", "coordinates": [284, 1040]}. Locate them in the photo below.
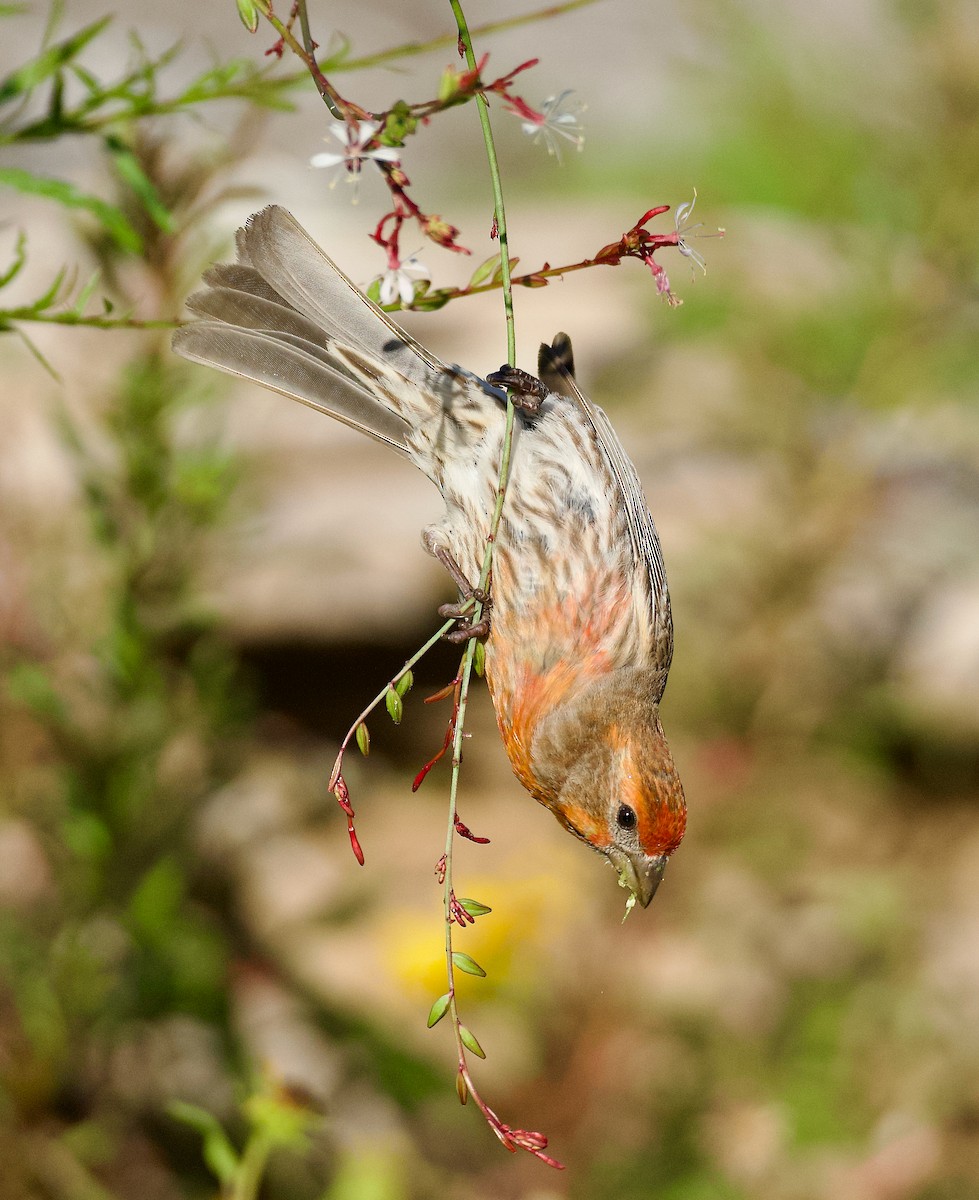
{"type": "Point", "coordinates": [248, 1177]}
{"type": "Point", "coordinates": [465, 40]}
{"type": "Point", "coordinates": [27, 314]}
{"type": "Point", "coordinates": [341, 109]}
{"type": "Point", "coordinates": [419, 654]}
{"type": "Point", "coordinates": [408, 49]}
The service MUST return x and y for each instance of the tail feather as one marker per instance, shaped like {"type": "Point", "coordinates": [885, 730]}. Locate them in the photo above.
{"type": "Point", "coordinates": [289, 261]}
{"type": "Point", "coordinates": [295, 369]}
{"type": "Point", "coordinates": [243, 279]}
{"type": "Point", "coordinates": [286, 317]}
{"type": "Point", "coordinates": [236, 307]}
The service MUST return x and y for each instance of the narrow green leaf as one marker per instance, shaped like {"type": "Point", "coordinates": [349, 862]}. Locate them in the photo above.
{"type": "Point", "coordinates": [431, 301]}
{"type": "Point", "coordinates": [467, 964]}
{"type": "Point", "coordinates": [479, 659]}
{"type": "Point", "coordinates": [486, 270]}
{"type": "Point", "coordinates": [363, 739]}
{"type": "Point", "coordinates": [110, 217]}
{"type": "Point", "coordinates": [469, 1041]}
{"type": "Point", "coordinates": [85, 294]}
{"type": "Point", "coordinates": [31, 74]}
{"type": "Point", "coordinates": [36, 353]}
{"type": "Point", "coordinates": [394, 706]}
{"type": "Point", "coordinates": [474, 908]}
{"type": "Point", "coordinates": [218, 1152]}
{"type": "Point", "coordinates": [20, 257]}
{"type": "Point", "coordinates": [404, 684]}
{"type": "Point", "coordinates": [52, 296]}
{"type": "Point", "coordinates": [129, 169]}
{"type": "Point", "coordinates": [438, 1010]}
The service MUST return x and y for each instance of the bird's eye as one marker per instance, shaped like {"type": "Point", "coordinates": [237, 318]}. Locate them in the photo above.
{"type": "Point", "coordinates": [626, 817]}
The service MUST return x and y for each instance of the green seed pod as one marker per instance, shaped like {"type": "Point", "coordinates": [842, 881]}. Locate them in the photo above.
{"type": "Point", "coordinates": [363, 739]}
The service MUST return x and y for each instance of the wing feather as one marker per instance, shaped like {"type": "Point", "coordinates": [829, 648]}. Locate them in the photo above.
{"type": "Point", "coordinates": [556, 370]}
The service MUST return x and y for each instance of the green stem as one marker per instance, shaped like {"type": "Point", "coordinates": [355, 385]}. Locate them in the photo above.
{"type": "Point", "coordinates": [494, 167]}
{"type": "Point", "coordinates": [248, 1177]}
{"type": "Point", "coordinates": [17, 314]}
{"type": "Point", "coordinates": [340, 108]}
{"type": "Point", "coordinates": [465, 40]}
{"type": "Point", "coordinates": [409, 664]}
{"type": "Point", "coordinates": [409, 49]}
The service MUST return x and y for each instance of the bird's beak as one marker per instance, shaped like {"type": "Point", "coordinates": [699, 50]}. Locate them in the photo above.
{"type": "Point", "coordinates": [638, 873]}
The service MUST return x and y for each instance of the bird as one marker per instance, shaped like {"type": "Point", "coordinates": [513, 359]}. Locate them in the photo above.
{"type": "Point", "coordinates": [580, 633]}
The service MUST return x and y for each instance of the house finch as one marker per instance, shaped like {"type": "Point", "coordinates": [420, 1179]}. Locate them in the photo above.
{"type": "Point", "coordinates": [580, 636]}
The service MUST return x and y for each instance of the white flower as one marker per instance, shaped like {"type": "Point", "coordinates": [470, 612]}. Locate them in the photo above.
{"type": "Point", "coordinates": [354, 139]}
{"type": "Point", "coordinates": [556, 119]}
{"type": "Point", "coordinates": [399, 283]}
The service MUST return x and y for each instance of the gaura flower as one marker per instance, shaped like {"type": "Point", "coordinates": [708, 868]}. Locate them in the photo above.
{"type": "Point", "coordinates": [400, 282]}
{"type": "Point", "coordinates": [557, 119]}
{"type": "Point", "coordinates": [680, 218]}
{"type": "Point", "coordinates": [355, 138]}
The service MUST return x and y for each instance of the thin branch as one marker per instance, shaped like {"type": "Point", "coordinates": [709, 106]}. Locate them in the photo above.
{"type": "Point", "coordinates": [408, 49]}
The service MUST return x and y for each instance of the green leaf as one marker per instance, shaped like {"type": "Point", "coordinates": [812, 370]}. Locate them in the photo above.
{"type": "Point", "coordinates": [467, 964]}
{"type": "Point", "coordinates": [85, 294]}
{"type": "Point", "coordinates": [363, 739]}
{"type": "Point", "coordinates": [129, 169]}
{"type": "Point", "coordinates": [431, 301]}
{"type": "Point", "coordinates": [219, 1154]}
{"type": "Point", "coordinates": [31, 74]}
{"type": "Point", "coordinates": [404, 684]}
{"type": "Point", "coordinates": [474, 908]}
{"type": "Point", "coordinates": [110, 217]}
{"type": "Point", "coordinates": [17, 263]}
{"type": "Point", "coordinates": [479, 659]}
{"type": "Point", "coordinates": [485, 271]}
{"type": "Point", "coordinates": [394, 706]}
{"type": "Point", "coordinates": [469, 1041]}
{"type": "Point", "coordinates": [438, 1010]}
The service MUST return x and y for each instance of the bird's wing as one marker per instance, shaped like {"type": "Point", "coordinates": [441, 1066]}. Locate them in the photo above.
{"type": "Point", "coordinates": [556, 370]}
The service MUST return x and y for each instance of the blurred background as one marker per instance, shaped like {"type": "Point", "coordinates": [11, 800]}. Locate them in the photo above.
{"type": "Point", "coordinates": [201, 585]}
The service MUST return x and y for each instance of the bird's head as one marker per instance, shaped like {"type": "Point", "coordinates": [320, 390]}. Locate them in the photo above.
{"type": "Point", "coordinates": [616, 787]}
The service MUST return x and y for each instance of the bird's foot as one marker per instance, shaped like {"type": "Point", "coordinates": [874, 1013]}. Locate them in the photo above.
{"type": "Point", "coordinates": [526, 390]}
{"type": "Point", "coordinates": [460, 612]}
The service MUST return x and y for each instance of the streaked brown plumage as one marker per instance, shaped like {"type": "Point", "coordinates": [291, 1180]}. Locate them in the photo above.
{"type": "Point", "coordinates": [581, 634]}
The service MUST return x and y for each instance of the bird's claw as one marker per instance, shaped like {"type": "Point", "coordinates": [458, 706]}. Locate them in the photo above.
{"type": "Point", "coordinates": [460, 612]}
{"type": "Point", "coordinates": [467, 628]}
{"type": "Point", "coordinates": [526, 390]}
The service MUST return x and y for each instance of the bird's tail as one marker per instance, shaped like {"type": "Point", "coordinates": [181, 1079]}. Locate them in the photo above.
{"type": "Point", "coordinates": [286, 317]}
